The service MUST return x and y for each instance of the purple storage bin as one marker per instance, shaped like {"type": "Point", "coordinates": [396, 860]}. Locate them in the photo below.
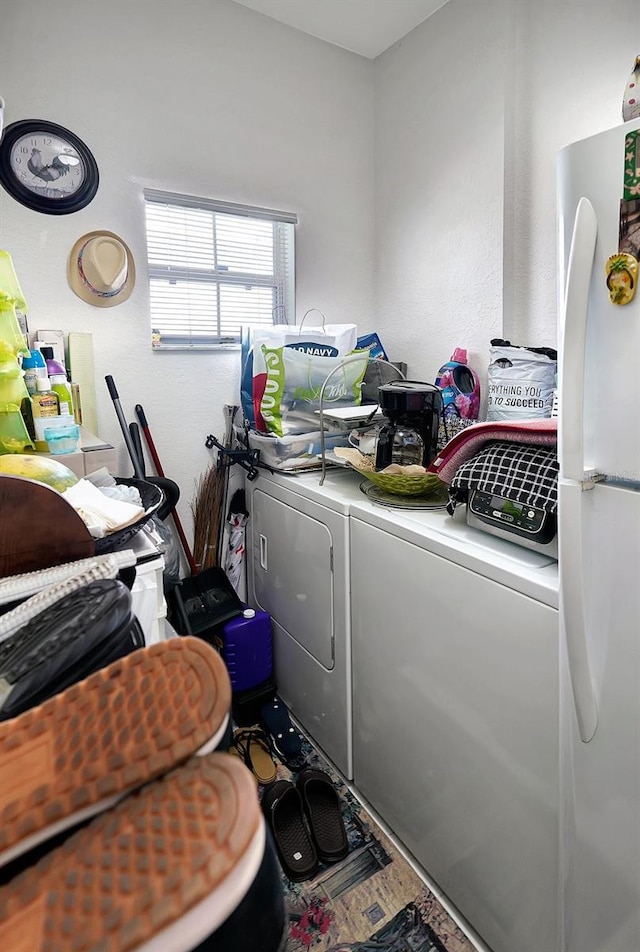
{"type": "Point", "coordinates": [247, 649]}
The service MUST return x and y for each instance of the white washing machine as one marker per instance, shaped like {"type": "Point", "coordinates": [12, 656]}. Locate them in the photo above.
{"type": "Point", "coordinates": [298, 571]}
{"type": "Point", "coordinates": [421, 654]}
{"type": "Point", "coordinates": [455, 642]}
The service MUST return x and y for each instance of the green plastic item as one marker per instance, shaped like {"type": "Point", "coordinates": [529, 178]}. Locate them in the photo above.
{"type": "Point", "coordinates": [12, 386]}
{"type": "Point", "coordinates": [11, 297]}
{"type": "Point", "coordinates": [14, 436]}
{"type": "Point", "coordinates": [10, 290]}
{"type": "Point", "coordinates": [13, 432]}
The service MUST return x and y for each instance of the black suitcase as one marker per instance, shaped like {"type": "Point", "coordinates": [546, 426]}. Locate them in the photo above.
{"type": "Point", "coordinates": [82, 632]}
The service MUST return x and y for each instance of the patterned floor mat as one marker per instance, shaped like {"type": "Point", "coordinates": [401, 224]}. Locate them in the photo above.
{"type": "Point", "coordinates": [370, 901]}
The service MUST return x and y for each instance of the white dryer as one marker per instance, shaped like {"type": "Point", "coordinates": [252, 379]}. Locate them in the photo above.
{"type": "Point", "coordinates": [298, 571]}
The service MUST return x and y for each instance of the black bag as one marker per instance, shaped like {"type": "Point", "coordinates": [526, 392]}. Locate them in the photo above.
{"type": "Point", "coordinates": [77, 635]}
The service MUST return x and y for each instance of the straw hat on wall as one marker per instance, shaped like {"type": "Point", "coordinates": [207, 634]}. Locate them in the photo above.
{"type": "Point", "coordinates": [101, 269]}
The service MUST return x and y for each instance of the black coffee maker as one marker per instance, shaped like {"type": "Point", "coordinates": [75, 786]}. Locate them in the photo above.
{"type": "Point", "coordinates": [414, 411]}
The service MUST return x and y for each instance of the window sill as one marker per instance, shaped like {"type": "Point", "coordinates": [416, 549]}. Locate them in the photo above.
{"type": "Point", "coordinates": [197, 348]}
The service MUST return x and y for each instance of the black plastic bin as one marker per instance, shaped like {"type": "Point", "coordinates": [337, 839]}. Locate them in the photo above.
{"type": "Point", "coordinates": [201, 604]}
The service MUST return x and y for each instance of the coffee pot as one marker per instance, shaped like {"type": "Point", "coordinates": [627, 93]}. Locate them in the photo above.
{"type": "Point", "coordinates": [409, 435]}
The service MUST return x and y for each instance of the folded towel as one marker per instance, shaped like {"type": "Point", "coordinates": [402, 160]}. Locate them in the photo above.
{"type": "Point", "coordinates": [525, 474]}
{"type": "Point", "coordinates": [542, 432]}
{"type": "Point", "coordinates": [100, 514]}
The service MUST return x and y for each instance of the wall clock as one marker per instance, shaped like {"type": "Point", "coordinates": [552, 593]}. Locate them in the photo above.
{"type": "Point", "coordinates": [46, 167]}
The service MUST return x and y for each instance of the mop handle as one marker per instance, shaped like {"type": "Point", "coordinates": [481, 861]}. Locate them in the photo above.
{"type": "Point", "coordinates": [125, 429]}
{"type": "Point", "coordinates": [159, 470]}
{"type": "Point", "coordinates": [147, 435]}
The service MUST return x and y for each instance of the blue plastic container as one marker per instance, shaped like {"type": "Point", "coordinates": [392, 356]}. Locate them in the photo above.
{"type": "Point", "coordinates": [247, 649]}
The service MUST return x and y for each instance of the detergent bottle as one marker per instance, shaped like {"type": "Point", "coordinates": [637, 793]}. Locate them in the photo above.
{"type": "Point", "coordinates": [247, 649]}
{"type": "Point", "coordinates": [460, 387]}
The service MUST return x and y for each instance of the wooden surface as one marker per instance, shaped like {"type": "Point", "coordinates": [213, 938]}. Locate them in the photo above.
{"type": "Point", "coordinates": [38, 528]}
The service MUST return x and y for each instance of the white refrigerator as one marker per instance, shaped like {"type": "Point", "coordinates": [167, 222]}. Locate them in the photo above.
{"type": "Point", "coordinates": [599, 550]}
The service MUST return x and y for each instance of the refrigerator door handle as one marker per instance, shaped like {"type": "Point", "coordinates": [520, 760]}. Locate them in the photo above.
{"type": "Point", "coordinates": [572, 611]}
{"type": "Point", "coordinates": [573, 343]}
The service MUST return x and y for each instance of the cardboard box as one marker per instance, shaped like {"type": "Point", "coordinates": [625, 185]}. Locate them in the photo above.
{"type": "Point", "coordinates": [93, 453]}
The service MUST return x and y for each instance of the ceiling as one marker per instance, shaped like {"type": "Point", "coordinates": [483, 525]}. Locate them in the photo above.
{"type": "Point", "coordinates": [368, 27]}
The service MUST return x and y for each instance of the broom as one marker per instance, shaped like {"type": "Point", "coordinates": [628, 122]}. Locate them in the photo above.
{"type": "Point", "coordinates": [211, 498]}
{"type": "Point", "coordinates": [207, 515]}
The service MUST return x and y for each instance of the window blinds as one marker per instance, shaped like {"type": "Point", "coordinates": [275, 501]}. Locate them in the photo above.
{"type": "Point", "coordinates": [215, 267]}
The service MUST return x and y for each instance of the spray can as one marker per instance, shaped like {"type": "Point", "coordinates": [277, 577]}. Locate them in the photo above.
{"type": "Point", "coordinates": [460, 387]}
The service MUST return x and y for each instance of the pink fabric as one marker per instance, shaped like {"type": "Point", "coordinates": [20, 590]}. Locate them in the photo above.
{"type": "Point", "coordinates": [468, 442]}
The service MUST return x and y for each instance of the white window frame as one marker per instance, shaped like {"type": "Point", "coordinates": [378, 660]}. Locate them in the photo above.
{"type": "Point", "coordinates": [187, 329]}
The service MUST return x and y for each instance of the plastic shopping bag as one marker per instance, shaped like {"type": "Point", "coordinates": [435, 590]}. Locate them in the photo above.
{"type": "Point", "coordinates": [521, 381]}
{"type": "Point", "coordinates": [331, 340]}
{"type": "Point", "coordinates": [295, 381]}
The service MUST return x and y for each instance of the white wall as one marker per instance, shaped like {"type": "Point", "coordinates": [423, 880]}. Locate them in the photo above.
{"type": "Point", "coordinates": [198, 96]}
{"type": "Point", "coordinates": [573, 60]}
{"type": "Point", "coordinates": [463, 118]}
{"type": "Point", "coordinates": [439, 186]}
{"type": "Point", "coordinates": [471, 109]}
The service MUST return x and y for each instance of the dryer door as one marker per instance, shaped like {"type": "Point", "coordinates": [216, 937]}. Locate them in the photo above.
{"type": "Point", "coordinates": [293, 574]}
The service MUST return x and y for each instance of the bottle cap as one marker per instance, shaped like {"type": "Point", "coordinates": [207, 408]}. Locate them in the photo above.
{"type": "Point", "coordinates": [460, 355]}
{"type": "Point", "coordinates": [47, 352]}
{"type": "Point", "coordinates": [42, 383]}
{"type": "Point", "coordinates": [249, 613]}
{"type": "Point", "coordinates": [58, 378]}
{"type": "Point", "coordinates": [55, 367]}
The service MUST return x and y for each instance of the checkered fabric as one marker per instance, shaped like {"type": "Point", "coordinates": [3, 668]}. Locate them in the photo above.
{"type": "Point", "coordinates": [522, 473]}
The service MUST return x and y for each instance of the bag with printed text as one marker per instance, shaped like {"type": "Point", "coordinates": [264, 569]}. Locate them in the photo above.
{"type": "Point", "coordinates": [521, 381]}
{"type": "Point", "coordinates": [330, 340]}
{"type": "Point", "coordinates": [295, 382]}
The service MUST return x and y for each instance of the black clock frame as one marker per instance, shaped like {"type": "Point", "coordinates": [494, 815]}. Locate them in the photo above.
{"type": "Point", "coordinates": [40, 203]}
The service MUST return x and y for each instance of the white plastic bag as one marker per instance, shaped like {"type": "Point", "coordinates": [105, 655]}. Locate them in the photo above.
{"type": "Point", "coordinates": [330, 340]}
{"type": "Point", "coordinates": [295, 380]}
{"type": "Point", "coordinates": [521, 382]}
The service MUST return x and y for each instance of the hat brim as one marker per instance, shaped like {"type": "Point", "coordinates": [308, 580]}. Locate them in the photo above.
{"type": "Point", "coordinates": [79, 287]}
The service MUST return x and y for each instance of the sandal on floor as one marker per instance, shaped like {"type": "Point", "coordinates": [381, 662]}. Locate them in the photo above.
{"type": "Point", "coordinates": [282, 807]}
{"type": "Point", "coordinates": [322, 806]}
{"type": "Point", "coordinates": [285, 739]}
{"type": "Point", "coordinates": [251, 745]}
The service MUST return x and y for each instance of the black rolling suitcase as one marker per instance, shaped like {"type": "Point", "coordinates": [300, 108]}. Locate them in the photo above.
{"type": "Point", "coordinates": [80, 633]}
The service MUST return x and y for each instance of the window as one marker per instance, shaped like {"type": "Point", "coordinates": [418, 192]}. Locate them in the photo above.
{"type": "Point", "coordinates": [214, 268]}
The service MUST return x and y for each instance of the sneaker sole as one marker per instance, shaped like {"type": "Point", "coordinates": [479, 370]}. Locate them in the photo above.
{"type": "Point", "coordinates": [160, 871]}
{"type": "Point", "coordinates": [84, 749]}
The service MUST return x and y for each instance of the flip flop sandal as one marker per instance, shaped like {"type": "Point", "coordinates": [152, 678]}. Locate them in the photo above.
{"type": "Point", "coordinates": [282, 807]}
{"type": "Point", "coordinates": [285, 739]}
{"type": "Point", "coordinates": [252, 746]}
{"type": "Point", "coordinates": [322, 806]}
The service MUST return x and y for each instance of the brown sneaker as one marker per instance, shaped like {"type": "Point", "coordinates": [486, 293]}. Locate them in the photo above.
{"type": "Point", "coordinates": [162, 870]}
{"type": "Point", "coordinates": [84, 749]}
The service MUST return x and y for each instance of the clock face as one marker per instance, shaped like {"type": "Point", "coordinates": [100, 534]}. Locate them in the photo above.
{"type": "Point", "coordinates": [46, 167]}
